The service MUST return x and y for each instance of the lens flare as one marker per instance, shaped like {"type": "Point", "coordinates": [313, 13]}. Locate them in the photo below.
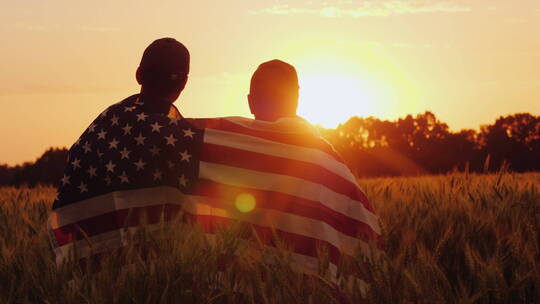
{"type": "Point", "coordinates": [245, 202]}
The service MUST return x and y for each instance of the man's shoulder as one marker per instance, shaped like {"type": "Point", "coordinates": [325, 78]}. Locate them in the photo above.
{"type": "Point", "coordinates": [128, 101]}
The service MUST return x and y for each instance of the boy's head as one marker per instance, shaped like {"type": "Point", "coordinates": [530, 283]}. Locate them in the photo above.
{"type": "Point", "coordinates": [164, 69]}
{"type": "Point", "coordinates": [273, 91]}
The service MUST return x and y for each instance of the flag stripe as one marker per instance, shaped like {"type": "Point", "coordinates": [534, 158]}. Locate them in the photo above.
{"type": "Point", "coordinates": [254, 144]}
{"type": "Point", "coordinates": [101, 243]}
{"type": "Point", "coordinates": [112, 201]}
{"type": "Point", "coordinates": [286, 222]}
{"type": "Point", "coordinates": [239, 177]}
{"type": "Point", "coordinates": [289, 138]}
{"type": "Point", "coordinates": [134, 217]}
{"type": "Point", "coordinates": [115, 220]}
{"type": "Point", "coordinates": [304, 245]}
{"type": "Point", "coordinates": [279, 165]}
{"type": "Point", "coordinates": [288, 204]}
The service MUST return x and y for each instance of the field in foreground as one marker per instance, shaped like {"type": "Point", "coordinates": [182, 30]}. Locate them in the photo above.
{"type": "Point", "coordinates": [448, 239]}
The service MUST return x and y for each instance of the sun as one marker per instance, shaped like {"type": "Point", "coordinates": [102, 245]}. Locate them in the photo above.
{"type": "Point", "coordinates": [340, 78]}
{"type": "Point", "coordinates": [332, 99]}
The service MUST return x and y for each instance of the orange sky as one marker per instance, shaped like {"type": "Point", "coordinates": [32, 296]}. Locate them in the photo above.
{"type": "Point", "coordinates": [62, 62]}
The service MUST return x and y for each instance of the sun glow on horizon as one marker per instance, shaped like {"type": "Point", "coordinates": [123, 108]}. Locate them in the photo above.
{"type": "Point", "coordinates": [329, 100]}
{"type": "Point", "coordinates": [339, 79]}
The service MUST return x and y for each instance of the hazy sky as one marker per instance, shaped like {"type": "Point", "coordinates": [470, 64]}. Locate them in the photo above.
{"type": "Point", "coordinates": [63, 61]}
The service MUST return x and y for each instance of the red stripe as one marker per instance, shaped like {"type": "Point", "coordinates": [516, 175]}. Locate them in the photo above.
{"type": "Point", "coordinates": [284, 166]}
{"type": "Point", "coordinates": [210, 224]}
{"type": "Point", "coordinates": [300, 244]}
{"type": "Point", "coordinates": [302, 140]}
{"type": "Point", "coordinates": [289, 204]}
{"type": "Point", "coordinates": [115, 220]}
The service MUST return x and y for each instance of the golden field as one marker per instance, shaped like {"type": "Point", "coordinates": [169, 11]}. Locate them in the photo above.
{"type": "Point", "coordinates": [458, 238]}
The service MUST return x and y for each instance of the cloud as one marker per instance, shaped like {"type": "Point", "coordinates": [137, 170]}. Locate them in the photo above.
{"type": "Point", "coordinates": [368, 9]}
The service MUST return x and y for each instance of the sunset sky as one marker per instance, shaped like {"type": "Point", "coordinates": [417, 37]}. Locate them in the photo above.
{"type": "Point", "coordinates": [62, 62]}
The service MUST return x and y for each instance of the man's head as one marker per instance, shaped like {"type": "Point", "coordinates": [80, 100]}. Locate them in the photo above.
{"type": "Point", "coordinates": [164, 69]}
{"type": "Point", "coordinates": [273, 93]}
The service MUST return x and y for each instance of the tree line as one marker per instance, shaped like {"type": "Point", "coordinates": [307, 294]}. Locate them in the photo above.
{"type": "Point", "coordinates": [372, 147]}
{"type": "Point", "coordinates": [425, 145]}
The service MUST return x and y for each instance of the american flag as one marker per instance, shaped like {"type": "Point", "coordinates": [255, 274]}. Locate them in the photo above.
{"type": "Point", "coordinates": [128, 163]}
{"type": "Point", "coordinates": [279, 178]}
{"type": "Point", "coordinates": [282, 179]}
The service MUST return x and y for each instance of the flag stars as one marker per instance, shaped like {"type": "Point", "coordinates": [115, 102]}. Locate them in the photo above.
{"type": "Point", "coordinates": [124, 178]}
{"type": "Point", "coordinates": [92, 171]}
{"type": "Point", "coordinates": [114, 120]}
{"type": "Point", "coordinates": [182, 181]}
{"type": "Point", "coordinates": [101, 135]}
{"type": "Point", "coordinates": [110, 166]}
{"type": "Point", "coordinates": [140, 140]}
{"type": "Point", "coordinates": [76, 163]}
{"type": "Point", "coordinates": [129, 109]}
{"type": "Point", "coordinates": [87, 147]}
{"type": "Point", "coordinates": [124, 153]}
{"type": "Point", "coordinates": [141, 116]}
{"type": "Point", "coordinates": [113, 144]}
{"type": "Point", "coordinates": [185, 156]}
{"type": "Point", "coordinates": [91, 128]}
{"type": "Point", "coordinates": [188, 133]}
{"type": "Point", "coordinates": [108, 180]}
{"type": "Point", "coordinates": [174, 121]}
{"type": "Point", "coordinates": [139, 102]}
{"type": "Point", "coordinates": [127, 129]}
{"type": "Point", "coordinates": [104, 113]}
{"type": "Point", "coordinates": [155, 127]}
{"type": "Point", "coordinates": [171, 140]}
{"type": "Point", "coordinates": [155, 151]}
{"type": "Point", "coordinates": [83, 187]}
{"type": "Point", "coordinates": [65, 180]}
{"type": "Point", "coordinates": [158, 175]}
{"type": "Point", "coordinates": [99, 153]}
{"type": "Point", "coordinates": [139, 165]}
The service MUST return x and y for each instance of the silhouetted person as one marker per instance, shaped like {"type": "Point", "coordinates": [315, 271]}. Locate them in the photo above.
{"type": "Point", "coordinates": [273, 91]}
{"type": "Point", "coordinates": [163, 74]}
{"type": "Point", "coordinates": [135, 154]}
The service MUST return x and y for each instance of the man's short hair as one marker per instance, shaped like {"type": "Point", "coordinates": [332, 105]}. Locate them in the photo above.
{"type": "Point", "coordinates": [165, 62]}
{"type": "Point", "coordinates": [274, 76]}
{"type": "Point", "coordinates": [274, 90]}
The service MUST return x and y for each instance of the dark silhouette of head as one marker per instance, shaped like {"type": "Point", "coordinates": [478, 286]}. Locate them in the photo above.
{"type": "Point", "coordinates": [164, 69]}
{"type": "Point", "coordinates": [273, 92]}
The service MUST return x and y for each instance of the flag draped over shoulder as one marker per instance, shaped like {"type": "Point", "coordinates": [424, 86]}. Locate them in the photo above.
{"type": "Point", "coordinates": [281, 179]}
{"type": "Point", "coordinates": [284, 180]}
{"type": "Point", "coordinates": [127, 163]}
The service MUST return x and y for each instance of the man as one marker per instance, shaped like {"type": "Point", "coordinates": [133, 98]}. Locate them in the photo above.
{"type": "Point", "coordinates": [276, 175]}
{"type": "Point", "coordinates": [274, 91]}
{"type": "Point", "coordinates": [130, 164]}
{"type": "Point", "coordinates": [163, 74]}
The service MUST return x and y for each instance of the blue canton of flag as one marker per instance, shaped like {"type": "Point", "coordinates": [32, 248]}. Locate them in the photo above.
{"type": "Point", "coordinates": [129, 168]}
{"type": "Point", "coordinates": [126, 148]}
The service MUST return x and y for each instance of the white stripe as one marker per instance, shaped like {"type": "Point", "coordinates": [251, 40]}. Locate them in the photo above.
{"type": "Point", "coordinates": [100, 243]}
{"type": "Point", "coordinates": [289, 185]}
{"type": "Point", "coordinates": [286, 125]}
{"type": "Point", "coordinates": [112, 240]}
{"type": "Point", "coordinates": [281, 221]}
{"type": "Point", "coordinates": [268, 147]}
{"type": "Point", "coordinates": [114, 201]}
{"type": "Point", "coordinates": [304, 264]}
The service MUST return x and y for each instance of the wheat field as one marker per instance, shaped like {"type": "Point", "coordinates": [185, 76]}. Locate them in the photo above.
{"type": "Point", "coordinates": [459, 238]}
